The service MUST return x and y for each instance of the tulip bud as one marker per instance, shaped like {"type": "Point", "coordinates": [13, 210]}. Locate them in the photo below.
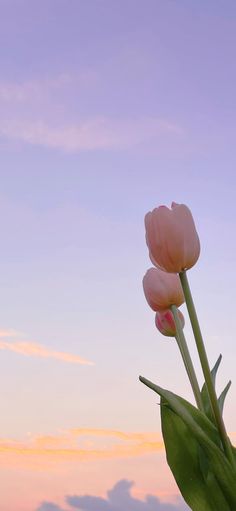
{"type": "Point", "coordinates": [162, 289]}
{"type": "Point", "coordinates": [172, 238]}
{"type": "Point", "coordinates": [165, 322]}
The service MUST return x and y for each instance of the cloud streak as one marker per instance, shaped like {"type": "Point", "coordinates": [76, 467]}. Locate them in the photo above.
{"type": "Point", "coordinates": [39, 89]}
{"type": "Point", "coordinates": [32, 349]}
{"type": "Point", "coordinates": [97, 133]}
{"type": "Point", "coordinates": [42, 113]}
{"type": "Point", "coordinates": [74, 445]}
{"type": "Point", "coordinates": [10, 332]}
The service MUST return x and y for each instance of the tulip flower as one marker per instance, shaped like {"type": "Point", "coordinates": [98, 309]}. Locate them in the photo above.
{"type": "Point", "coordinates": [198, 449]}
{"type": "Point", "coordinates": [172, 238]}
{"type": "Point", "coordinates": [165, 322]}
{"type": "Point", "coordinates": [162, 289]}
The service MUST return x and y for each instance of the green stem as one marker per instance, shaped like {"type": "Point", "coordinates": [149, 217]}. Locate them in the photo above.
{"type": "Point", "coordinates": [205, 367]}
{"type": "Point", "coordinates": [181, 341]}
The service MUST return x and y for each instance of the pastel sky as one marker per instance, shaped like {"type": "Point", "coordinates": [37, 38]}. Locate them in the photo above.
{"type": "Point", "coordinates": [108, 108]}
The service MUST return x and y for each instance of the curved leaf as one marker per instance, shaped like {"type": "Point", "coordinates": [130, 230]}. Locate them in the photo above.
{"type": "Point", "coordinates": [205, 396]}
{"type": "Point", "coordinates": [204, 391]}
{"type": "Point", "coordinates": [221, 398]}
{"type": "Point", "coordinates": [182, 453]}
{"type": "Point", "coordinates": [204, 431]}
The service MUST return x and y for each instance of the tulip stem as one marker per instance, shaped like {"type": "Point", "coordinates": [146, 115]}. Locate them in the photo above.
{"type": "Point", "coordinates": [182, 344]}
{"type": "Point", "coordinates": [206, 368]}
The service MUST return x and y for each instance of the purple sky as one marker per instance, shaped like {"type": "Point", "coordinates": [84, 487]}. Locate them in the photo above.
{"type": "Point", "coordinates": [108, 109]}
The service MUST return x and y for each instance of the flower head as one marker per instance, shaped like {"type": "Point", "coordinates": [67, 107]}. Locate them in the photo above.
{"type": "Point", "coordinates": [162, 289]}
{"type": "Point", "coordinates": [165, 322]}
{"type": "Point", "coordinates": [172, 238]}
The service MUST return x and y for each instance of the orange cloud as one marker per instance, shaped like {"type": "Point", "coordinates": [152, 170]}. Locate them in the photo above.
{"type": "Point", "coordinates": [38, 350]}
{"type": "Point", "coordinates": [9, 332]}
{"type": "Point", "coordinates": [64, 447]}
{"type": "Point", "coordinates": [114, 433]}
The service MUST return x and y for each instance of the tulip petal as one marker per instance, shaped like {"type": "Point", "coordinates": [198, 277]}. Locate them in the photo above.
{"type": "Point", "coordinates": [172, 238]}
{"type": "Point", "coordinates": [162, 289]}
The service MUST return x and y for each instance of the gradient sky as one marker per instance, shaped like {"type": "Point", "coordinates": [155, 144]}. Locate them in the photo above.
{"type": "Point", "coordinates": [108, 108]}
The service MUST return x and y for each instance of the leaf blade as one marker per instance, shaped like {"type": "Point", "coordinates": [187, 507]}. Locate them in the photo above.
{"type": "Point", "coordinates": [206, 434]}
{"type": "Point", "coordinates": [182, 458]}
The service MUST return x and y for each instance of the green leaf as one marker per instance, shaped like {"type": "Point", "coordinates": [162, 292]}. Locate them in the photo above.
{"type": "Point", "coordinates": [205, 396]}
{"type": "Point", "coordinates": [204, 391]}
{"type": "Point", "coordinates": [222, 397]}
{"type": "Point", "coordinates": [186, 459]}
{"type": "Point", "coordinates": [216, 493]}
{"type": "Point", "coordinates": [205, 433]}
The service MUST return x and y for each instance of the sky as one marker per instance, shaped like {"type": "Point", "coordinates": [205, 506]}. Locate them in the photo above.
{"type": "Point", "coordinates": [107, 109]}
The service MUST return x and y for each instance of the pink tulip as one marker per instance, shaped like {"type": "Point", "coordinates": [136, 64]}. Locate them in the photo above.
{"type": "Point", "coordinates": [162, 289]}
{"type": "Point", "coordinates": [172, 238]}
{"type": "Point", "coordinates": [165, 322]}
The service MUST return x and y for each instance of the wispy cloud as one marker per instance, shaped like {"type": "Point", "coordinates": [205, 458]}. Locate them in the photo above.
{"type": "Point", "coordinates": [44, 112]}
{"type": "Point", "coordinates": [140, 436]}
{"type": "Point", "coordinates": [91, 134]}
{"type": "Point", "coordinates": [9, 332]}
{"type": "Point", "coordinates": [40, 88]}
{"type": "Point", "coordinates": [34, 349]}
{"type": "Point", "coordinates": [38, 350]}
{"type": "Point", "coordinates": [67, 446]}
{"type": "Point", "coordinates": [118, 498]}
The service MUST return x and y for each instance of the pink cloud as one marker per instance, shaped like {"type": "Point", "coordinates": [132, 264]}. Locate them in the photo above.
{"type": "Point", "coordinates": [38, 350]}
{"type": "Point", "coordinates": [90, 134]}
